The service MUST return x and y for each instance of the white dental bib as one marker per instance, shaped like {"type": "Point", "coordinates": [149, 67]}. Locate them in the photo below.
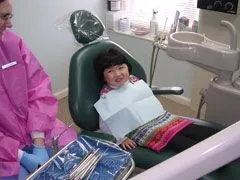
{"type": "Point", "coordinates": [128, 107]}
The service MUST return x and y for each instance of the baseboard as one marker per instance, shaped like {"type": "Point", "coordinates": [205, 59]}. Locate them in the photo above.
{"type": "Point", "coordinates": [61, 94]}
{"type": "Point", "coordinates": [179, 99]}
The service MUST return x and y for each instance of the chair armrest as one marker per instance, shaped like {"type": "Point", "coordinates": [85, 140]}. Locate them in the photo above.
{"type": "Point", "coordinates": [167, 90]}
{"type": "Point", "coordinates": [99, 135]}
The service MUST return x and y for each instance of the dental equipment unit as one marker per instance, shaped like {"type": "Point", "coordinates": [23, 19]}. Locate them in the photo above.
{"type": "Point", "coordinates": [222, 97]}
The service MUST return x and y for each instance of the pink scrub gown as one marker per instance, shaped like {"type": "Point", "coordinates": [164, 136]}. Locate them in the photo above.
{"type": "Point", "coordinates": [26, 103]}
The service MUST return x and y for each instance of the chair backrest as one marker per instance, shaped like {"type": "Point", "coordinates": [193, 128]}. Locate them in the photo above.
{"type": "Point", "coordinates": [84, 85]}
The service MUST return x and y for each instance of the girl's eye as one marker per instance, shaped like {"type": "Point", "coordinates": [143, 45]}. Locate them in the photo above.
{"type": "Point", "coordinates": [109, 71]}
{"type": "Point", "coordinates": [121, 67]}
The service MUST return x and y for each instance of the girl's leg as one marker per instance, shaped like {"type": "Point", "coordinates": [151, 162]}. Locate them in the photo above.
{"type": "Point", "coordinates": [199, 130]}
{"type": "Point", "coordinates": [180, 143]}
{"type": "Point", "coordinates": [193, 134]}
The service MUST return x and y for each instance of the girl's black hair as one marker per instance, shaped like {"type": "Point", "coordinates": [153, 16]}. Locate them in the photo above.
{"type": "Point", "coordinates": [108, 58]}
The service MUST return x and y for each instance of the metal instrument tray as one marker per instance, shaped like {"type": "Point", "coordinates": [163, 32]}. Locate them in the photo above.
{"type": "Point", "coordinates": [115, 163]}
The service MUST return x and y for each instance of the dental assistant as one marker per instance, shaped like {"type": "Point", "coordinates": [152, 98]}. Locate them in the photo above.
{"type": "Point", "coordinates": [28, 109]}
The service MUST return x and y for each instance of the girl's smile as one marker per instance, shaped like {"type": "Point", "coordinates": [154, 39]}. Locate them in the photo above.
{"type": "Point", "coordinates": [116, 75]}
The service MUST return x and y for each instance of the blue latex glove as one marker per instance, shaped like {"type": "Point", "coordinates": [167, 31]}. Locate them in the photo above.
{"type": "Point", "coordinates": [41, 153]}
{"type": "Point", "coordinates": [30, 161]}
{"type": "Point", "coordinates": [23, 174]}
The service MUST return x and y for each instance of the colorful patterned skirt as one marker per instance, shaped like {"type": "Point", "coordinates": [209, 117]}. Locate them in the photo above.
{"type": "Point", "coordinates": [157, 133]}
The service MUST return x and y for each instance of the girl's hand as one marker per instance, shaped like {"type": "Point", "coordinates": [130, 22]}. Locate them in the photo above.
{"type": "Point", "coordinates": [128, 144]}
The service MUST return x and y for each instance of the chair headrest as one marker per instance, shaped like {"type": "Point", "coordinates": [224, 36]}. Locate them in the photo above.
{"type": "Point", "coordinates": [86, 27]}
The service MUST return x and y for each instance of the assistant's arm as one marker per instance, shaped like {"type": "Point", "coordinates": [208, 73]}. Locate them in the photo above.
{"type": "Point", "coordinates": [42, 105]}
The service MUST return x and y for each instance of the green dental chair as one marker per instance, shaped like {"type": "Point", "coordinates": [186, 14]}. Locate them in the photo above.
{"type": "Point", "coordinates": [84, 88]}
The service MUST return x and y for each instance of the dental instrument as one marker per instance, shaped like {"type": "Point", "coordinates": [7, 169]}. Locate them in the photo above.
{"type": "Point", "coordinates": [86, 166]}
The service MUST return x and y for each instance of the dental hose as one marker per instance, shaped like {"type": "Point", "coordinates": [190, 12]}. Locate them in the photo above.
{"type": "Point", "coordinates": [201, 103]}
{"type": "Point", "coordinates": [154, 65]}
{"type": "Point", "coordinates": [151, 66]}
{"type": "Point", "coordinates": [154, 57]}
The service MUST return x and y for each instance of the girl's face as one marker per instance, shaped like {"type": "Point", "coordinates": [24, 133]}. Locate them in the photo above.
{"type": "Point", "coordinates": [116, 75]}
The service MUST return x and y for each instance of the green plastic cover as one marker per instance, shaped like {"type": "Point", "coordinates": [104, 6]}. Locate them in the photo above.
{"type": "Point", "coordinates": [86, 27]}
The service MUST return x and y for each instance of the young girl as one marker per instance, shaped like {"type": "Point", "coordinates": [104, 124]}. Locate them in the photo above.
{"type": "Point", "coordinates": [164, 129]}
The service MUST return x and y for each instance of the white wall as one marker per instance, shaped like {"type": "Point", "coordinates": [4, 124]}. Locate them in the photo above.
{"type": "Point", "coordinates": [39, 23]}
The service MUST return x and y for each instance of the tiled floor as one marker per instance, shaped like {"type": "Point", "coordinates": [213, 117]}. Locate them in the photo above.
{"type": "Point", "coordinates": [64, 114]}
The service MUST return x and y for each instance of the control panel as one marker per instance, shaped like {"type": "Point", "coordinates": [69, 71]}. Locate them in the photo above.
{"type": "Point", "coordinates": [226, 6]}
